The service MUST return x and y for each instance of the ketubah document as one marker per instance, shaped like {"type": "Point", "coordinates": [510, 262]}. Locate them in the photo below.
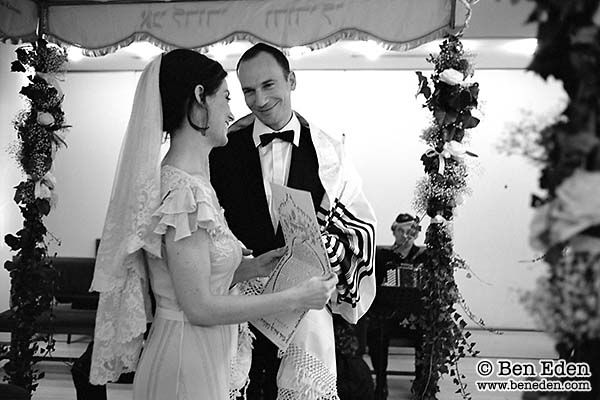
{"type": "Point", "coordinates": [306, 257]}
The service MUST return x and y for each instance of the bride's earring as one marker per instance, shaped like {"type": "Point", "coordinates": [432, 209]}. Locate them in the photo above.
{"type": "Point", "coordinates": [198, 99]}
{"type": "Point", "coordinates": [198, 127]}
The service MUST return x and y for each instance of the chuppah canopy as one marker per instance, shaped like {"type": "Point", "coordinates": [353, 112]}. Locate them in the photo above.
{"type": "Point", "coordinates": [101, 27]}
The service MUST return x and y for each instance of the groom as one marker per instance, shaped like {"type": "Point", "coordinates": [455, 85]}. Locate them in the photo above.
{"type": "Point", "coordinates": [275, 144]}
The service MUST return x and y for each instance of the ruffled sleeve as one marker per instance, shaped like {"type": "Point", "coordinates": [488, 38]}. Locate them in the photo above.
{"type": "Point", "coordinates": [186, 206]}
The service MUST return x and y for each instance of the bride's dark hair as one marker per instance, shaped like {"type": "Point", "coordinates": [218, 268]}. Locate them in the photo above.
{"type": "Point", "coordinates": [180, 71]}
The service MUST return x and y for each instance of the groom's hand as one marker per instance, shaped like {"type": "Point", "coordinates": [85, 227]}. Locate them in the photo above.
{"type": "Point", "coordinates": [265, 263]}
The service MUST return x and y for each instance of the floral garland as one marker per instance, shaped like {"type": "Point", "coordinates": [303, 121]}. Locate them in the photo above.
{"type": "Point", "coordinates": [566, 225]}
{"type": "Point", "coordinates": [39, 130]}
{"type": "Point", "coordinates": [451, 101]}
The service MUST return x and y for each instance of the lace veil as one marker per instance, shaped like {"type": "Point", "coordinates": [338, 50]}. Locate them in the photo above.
{"type": "Point", "coordinates": [120, 273]}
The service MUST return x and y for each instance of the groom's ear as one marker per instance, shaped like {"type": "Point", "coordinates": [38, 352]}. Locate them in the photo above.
{"type": "Point", "coordinates": [292, 80]}
{"type": "Point", "coordinates": [199, 94]}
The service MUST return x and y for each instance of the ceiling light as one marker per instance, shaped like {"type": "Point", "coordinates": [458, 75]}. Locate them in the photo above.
{"type": "Point", "coordinates": [298, 51]}
{"type": "Point", "coordinates": [74, 54]}
{"type": "Point", "coordinates": [220, 51]}
{"type": "Point", "coordinates": [143, 50]}
{"type": "Point", "coordinates": [524, 47]}
{"type": "Point", "coordinates": [369, 49]}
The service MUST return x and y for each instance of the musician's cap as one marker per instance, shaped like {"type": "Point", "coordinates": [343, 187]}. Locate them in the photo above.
{"type": "Point", "coordinates": [406, 220]}
{"type": "Point", "coordinates": [402, 218]}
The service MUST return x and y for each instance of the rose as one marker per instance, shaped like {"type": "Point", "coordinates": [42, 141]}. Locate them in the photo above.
{"type": "Point", "coordinates": [44, 187]}
{"type": "Point", "coordinates": [45, 118]}
{"type": "Point", "coordinates": [438, 219]}
{"type": "Point", "coordinates": [451, 76]}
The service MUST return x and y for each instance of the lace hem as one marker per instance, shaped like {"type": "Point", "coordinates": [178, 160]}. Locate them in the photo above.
{"type": "Point", "coordinates": [237, 394]}
{"type": "Point", "coordinates": [241, 360]}
{"type": "Point", "coordinates": [313, 380]}
{"type": "Point", "coordinates": [288, 394]}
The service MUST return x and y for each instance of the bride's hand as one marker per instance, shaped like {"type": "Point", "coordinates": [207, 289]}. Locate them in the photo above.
{"type": "Point", "coordinates": [315, 292]}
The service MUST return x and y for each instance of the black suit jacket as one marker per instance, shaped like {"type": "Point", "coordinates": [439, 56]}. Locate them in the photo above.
{"type": "Point", "coordinates": [236, 175]}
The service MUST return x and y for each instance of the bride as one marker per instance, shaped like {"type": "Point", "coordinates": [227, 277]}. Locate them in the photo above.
{"type": "Point", "coordinates": [165, 230]}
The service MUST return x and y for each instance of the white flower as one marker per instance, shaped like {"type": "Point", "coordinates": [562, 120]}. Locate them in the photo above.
{"type": "Point", "coordinates": [451, 76]}
{"type": "Point", "coordinates": [438, 219]}
{"type": "Point", "coordinates": [45, 186]}
{"type": "Point", "coordinates": [45, 118]}
{"type": "Point", "coordinates": [454, 149]}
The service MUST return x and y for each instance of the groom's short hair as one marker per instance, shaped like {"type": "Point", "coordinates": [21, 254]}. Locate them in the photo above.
{"type": "Point", "coordinates": [265, 48]}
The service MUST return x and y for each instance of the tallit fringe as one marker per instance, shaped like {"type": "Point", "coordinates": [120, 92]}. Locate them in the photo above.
{"type": "Point", "coordinates": [313, 381]}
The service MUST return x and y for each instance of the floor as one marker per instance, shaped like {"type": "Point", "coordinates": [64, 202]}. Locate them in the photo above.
{"type": "Point", "coordinates": [515, 346]}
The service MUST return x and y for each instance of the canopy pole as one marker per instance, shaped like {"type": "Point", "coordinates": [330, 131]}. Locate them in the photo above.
{"type": "Point", "coordinates": [43, 19]}
{"type": "Point", "coordinates": [452, 14]}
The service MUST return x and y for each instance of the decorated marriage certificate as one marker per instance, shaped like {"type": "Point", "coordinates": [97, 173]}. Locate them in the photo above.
{"type": "Point", "coordinates": [305, 257]}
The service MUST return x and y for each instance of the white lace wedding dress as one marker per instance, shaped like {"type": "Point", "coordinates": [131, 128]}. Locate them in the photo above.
{"type": "Point", "coordinates": [180, 360]}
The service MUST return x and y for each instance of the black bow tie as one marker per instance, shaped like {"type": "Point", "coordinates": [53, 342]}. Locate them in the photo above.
{"type": "Point", "coordinates": [267, 138]}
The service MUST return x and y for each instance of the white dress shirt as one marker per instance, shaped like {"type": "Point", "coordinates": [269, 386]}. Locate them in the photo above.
{"type": "Point", "coordinates": [275, 158]}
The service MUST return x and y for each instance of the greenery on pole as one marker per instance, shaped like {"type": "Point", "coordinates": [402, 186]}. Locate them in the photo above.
{"type": "Point", "coordinates": [450, 96]}
{"type": "Point", "coordinates": [40, 129]}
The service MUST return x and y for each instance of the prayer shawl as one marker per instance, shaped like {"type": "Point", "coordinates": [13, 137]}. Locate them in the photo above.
{"type": "Point", "coordinates": [308, 369]}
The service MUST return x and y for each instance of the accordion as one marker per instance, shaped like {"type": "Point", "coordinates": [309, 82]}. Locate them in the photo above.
{"type": "Point", "coordinates": [403, 275]}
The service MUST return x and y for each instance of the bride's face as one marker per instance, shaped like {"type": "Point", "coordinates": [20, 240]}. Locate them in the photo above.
{"type": "Point", "coordinates": [219, 115]}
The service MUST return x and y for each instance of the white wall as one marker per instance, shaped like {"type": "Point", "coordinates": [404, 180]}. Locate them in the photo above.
{"type": "Point", "coordinates": [382, 120]}
{"type": "Point", "coordinates": [10, 218]}
{"type": "Point", "coordinates": [378, 112]}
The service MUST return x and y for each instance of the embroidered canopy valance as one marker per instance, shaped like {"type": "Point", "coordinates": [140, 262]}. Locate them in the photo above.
{"type": "Point", "coordinates": [101, 27]}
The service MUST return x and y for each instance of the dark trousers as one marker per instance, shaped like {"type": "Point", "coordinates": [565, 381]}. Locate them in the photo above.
{"type": "Point", "coordinates": [80, 371]}
{"type": "Point", "coordinates": [263, 372]}
{"type": "Point", "coordinates": [379, 332]}
{"type": "Point", "coordinates": [378, 344]}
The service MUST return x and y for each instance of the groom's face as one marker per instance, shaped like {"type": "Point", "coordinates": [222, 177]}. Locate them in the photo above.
{"type": "Point", "coordinates": [267, 89]}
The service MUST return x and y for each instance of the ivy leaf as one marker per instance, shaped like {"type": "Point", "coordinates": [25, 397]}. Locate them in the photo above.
{"type": "Point", "coordinates": [24, 192]}
{"type": "Point", "coordinates": [423, 86]}
{"type": "Point", "coordinates": [474, 91]}
{"type": "Point", "coordinates": [449, 133]}
{"type": "Point", "coordinates": [463, 99]}
{"type": "Point", "coordinates": [21, 55]}
{"type": "Point", "coordinates": [16, 66]}
{"type": "Point", "coordinates": [10, 266]}
{"type": "Point", "coordinates": [445, 117]}
{"type": "Point", "coordinates": [459, 134]}
{"type": "Point", "coordinates": [450, 117]}
{"type": "Point", "coordinates": [537, 201]}
{"type": "Point", "coordinates": [43, 205]}
{"type": "Point", "coordinates": [467, 99]}
{"type": "Point", "coordinates": [470, 122]}
{"type": "Point", "coordinates": [13, 242]}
